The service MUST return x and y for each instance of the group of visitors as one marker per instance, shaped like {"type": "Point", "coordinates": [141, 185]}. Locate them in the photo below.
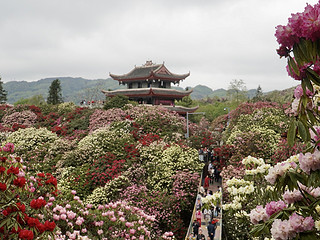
{"type": "Point", "coordinates": [210, 215]}
{"type": "Point", "coordinates": [197, 230]}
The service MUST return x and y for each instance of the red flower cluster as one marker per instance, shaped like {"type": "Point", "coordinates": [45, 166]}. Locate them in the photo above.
{"type": "Point", "coordinates": [148, 138]}
{"type": "Point", "coordinates": [19, 182]}
{"type": "Point", "coordinates": [37, 203]}
{"type": "Point", "coordinates": [20, 207]}
{"type": "Point", "coordinates": [46, 179]}
{"type": "Point", "coordinates": [105, 168]}
{"type": "Point", "coordinates": [14, 170]}
{"type": "Point", "coordinates": [3, 187]}
{"type": "Point", "coordinates": [17, 126]}
{"type": "Point", "coordinates": [26, 234]}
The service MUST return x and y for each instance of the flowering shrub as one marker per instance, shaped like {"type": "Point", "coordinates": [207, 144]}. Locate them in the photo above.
{"type": "Point", "coordinates": [258, 142]}
{"type": "Point", "coordinates": [245, 193]}
{"type": "Point", "coordinates": [25, 118]}
{"type": "Point", "coordinates": [97, 144]}
{"type": "Point", "coordinates": [24, 199]}
{"type": "Point", "coordinates": [164, 162]}
{"type": "Point", "coordinates": [284, 151]}
{"type": "Point", "coordinates": [101, 118]}
{"type": "Point", "coordinates": [110, 191]}
{"type": "Point", "coordinates": [104, 169]}
{"type": "Point", "coordinates": [152, 119]}
{"type": "Point", "coordinates": [75, 178]}
{"type": "Point", "coordinates": [31, 138]}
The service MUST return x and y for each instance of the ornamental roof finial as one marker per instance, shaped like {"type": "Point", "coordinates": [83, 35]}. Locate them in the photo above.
{"type": "Point", "coordinates": [149, 63]}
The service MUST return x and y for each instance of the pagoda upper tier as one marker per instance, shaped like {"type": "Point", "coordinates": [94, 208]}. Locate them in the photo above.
{"type": "Point", "coordinates": [150, 72]}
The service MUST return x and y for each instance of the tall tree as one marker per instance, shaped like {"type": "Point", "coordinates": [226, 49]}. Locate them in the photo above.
{"type": "Point", "coordinates": [258, 96]}
{"type": "Point", "coordinates": [3, 93]}
{"type": "Point", "coordinates": [55, 95]}
{"type": "Point", "coordinates": [237, 90]}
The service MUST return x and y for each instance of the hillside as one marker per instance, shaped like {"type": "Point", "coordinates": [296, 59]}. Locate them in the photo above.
{"type": "Point", "coordinates": [77, 89]}
{"type": "Point", "coordinates": [73, 89]}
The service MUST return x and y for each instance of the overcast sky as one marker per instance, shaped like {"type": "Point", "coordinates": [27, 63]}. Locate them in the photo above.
{"type": "Point", "coordinates": [216, 40]}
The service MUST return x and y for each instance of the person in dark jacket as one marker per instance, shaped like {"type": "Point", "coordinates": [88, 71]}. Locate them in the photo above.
{"type": "Point", "coordinates": [195, 226]}
{"type": "Point", "coordinates": [212, 229]}
{"type": "Point", "coordinates": [200, 235]}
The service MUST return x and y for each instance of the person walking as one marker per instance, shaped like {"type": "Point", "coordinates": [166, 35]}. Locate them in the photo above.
{"type": "Point", "coordinates": [212, 229]}
{"type": "Point", "coordinates": [206, 183]}
{"type": "Point", "coordinates": [195, 226]}
{"type": "Point", "coordinates": [207, 215]}
{"type": "Point", "coordinates": [200, 235]}
{"type": "Point", "coordinates": [198, 216]}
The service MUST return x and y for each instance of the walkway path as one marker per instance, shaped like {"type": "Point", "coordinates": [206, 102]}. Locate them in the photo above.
{"type": "Point", "coordinates": [214, 188]}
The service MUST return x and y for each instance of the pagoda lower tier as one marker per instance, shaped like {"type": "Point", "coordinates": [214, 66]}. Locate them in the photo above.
{"type": "Point", "coordinates": [154, 96]}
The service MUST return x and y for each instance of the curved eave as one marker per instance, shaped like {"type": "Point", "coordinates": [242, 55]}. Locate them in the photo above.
{"type": "Point", "coordinates": [180, 109]}
{"type": "Point", "coordinates": [140, 92]}
{"type": "Point", "coordinates": [153, 74]}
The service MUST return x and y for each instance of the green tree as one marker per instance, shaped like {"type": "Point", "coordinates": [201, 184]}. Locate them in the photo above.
{"type": "Point", "coordinates": [3, 93]}
{"type": "Point", "coordinates": [116, 102]}
{"type": "Point", "coordinates": [258, 96]}
{"type": "Point", "coordinates": [55, 95]}
{"type": "Point", "coordinates": [36, 100]}
{"type": "Point", "coordinates": [237, 90]}
{"type": "Point", "coordinates": [185, 102]}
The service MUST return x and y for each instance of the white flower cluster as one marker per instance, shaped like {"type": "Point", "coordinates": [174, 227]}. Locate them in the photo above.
{"type": "Point", "coordinates": [32, 138]}
{"type": "Point", "coordinates": [294, 158]}
{"type": "Point", "coordinates": [252, 161]}
{"type": "Point", "coordinates": [242, 214]}
{"type": "Point", "coordinates": [264, 168]}
{"type": "Point", "coordinates": [212, 199]}
{"type": "Point", "coordinates": [241, 190]}
{"type": "Point", "coordinates": [280, 168]}
{"type": "Point", "coordinates": [238, 182]}
{"type": "Point", "coordinates": [234, 206]}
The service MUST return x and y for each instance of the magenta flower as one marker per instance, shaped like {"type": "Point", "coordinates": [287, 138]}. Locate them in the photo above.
{"type": "Point", "coordinates": [274, 207]}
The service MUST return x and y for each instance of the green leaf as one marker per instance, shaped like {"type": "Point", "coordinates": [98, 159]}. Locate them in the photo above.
{"type": "Point", "coordinates": [311, 117]}
{"type": "Point", "coordinates": [293, 66]}
{"type": "Point", "coordinates": [302, 129]}
{"type": "Point", "coordinates": [292, 133]}
{"type": "Point", "coordinates": [308, 83]}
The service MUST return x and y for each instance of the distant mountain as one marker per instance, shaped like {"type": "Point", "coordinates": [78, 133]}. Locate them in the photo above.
{"type": "Point", "coordinates": [77, 89]}
{"type": "Point", "coordinates": [73, 89]}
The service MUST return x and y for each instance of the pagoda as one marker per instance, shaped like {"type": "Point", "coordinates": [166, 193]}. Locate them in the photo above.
{"type": "Point", "coordinates": [151, 84]}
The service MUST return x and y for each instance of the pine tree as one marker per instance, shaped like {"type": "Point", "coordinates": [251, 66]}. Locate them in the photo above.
{"type": "Point", "coordinates": [55, 95]}
{"type": "Point", "coordinates": [3, 94]}
{"type": "Point", "coordinates": [259, 95]}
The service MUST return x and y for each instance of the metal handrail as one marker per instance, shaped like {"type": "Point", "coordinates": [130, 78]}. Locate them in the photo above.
{"type": "Point", "coordinates": [194, 210]}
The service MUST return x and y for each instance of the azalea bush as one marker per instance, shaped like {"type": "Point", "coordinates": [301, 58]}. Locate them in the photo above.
{"type": "Point", "coordinates": [24, 199]}
{"type": "Point", "coordinates": [245, 192]}
{"type": "Point", "coordinates": [25, 118]}
{"type": "Point", "coordinates": [162, 161]}
{"type": "Point", "coordinates": [29, 139]}
{"type": "Point", "coordinates": [102, 118]}
{"type": "Point", "coordinates": [97, 144]}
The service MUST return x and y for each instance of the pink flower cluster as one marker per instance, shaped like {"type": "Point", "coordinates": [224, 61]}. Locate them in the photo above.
{"type": "Point", "coordinates": [292, 196]}
{"type": "Point", "coordinates": [288, 229]}
{"type": "Point", "coordinates": [315, 136]}
{"type": "Point", "coordinates": [278, 170]}
{"type": "Point", "coordinates": [258, 214]}
{"type": "Point", "coordinates": [274, 207]}
{"type": "Point", "coordinates": [309, 161]}
{"type": "Point", "coordinates": [300, 25]}
{"type": "Point", "coordinates": [298, 92]}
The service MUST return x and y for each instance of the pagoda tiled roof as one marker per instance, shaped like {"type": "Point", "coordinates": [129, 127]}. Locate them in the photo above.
{"type": "Point", "coordinates": [149, 71]}
{"type": "Point", "coordinates": [180, 109]}
{"type": "Point", "coordinates": [137, 92]}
